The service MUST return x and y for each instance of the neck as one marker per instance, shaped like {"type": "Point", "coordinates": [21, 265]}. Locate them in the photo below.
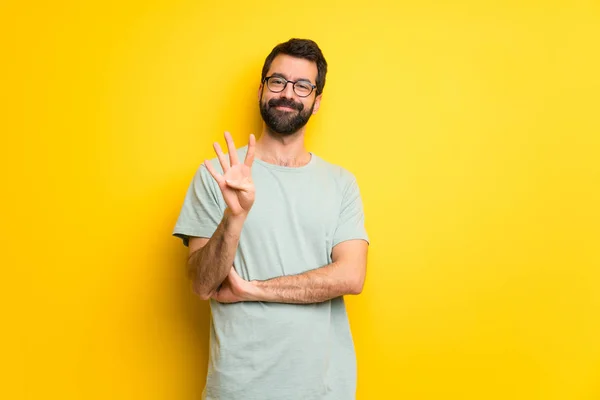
{"type": "Point", "coordinates": [284, 150]}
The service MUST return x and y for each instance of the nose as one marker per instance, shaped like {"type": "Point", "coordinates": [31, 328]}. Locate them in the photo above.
{"type": "Point", "coordinates": [288, 91]}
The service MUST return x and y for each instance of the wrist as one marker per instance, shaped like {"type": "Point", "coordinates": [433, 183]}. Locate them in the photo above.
{"type": "Point", "coordinates": [259, 291]}
{"type": "Point", "coordinates": [233, 222]}
{"type": "Point", "coordinates": [256, 291]}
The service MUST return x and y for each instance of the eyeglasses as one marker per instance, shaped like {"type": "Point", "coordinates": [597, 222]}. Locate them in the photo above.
{"type": "Point", "coordinates": [277, 84]}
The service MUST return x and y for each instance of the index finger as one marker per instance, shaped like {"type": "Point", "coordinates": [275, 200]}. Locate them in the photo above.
{"type": "Point", "coordinates": [250, 154]}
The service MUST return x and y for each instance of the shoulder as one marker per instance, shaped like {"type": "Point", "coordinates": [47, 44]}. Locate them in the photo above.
{"type": "Point", "coordinates": [340, 174]}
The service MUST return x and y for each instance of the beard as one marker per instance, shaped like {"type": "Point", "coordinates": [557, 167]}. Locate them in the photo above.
{"type": "Point", "coordinates": [284, 122]}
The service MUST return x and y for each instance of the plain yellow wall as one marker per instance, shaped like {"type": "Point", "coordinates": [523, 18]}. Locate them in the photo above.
{"type": "Point", "coordinates": [473, 130]}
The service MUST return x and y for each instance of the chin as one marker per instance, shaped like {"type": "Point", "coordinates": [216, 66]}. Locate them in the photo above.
{"type": "Point", "coordinates": [282, 133]}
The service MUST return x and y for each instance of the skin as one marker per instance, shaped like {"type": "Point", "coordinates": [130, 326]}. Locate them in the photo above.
{"type": "Point", "coordinates": [287, 150]}
{"type": "Point", "coordinates": [210, 260]}
{"type": "Point", "coordinates": [210, 264]}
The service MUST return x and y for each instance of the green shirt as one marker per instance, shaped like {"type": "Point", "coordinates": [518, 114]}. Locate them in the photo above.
{"type": "Point", "coordinates": [277, 351]}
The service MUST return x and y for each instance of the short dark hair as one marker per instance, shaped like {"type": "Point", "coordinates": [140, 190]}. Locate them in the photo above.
{"type": "Point", "coordinates": [300, 48]}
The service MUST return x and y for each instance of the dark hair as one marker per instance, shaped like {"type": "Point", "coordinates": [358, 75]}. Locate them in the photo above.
{"type": "Point", "coordinates": [300, 48]}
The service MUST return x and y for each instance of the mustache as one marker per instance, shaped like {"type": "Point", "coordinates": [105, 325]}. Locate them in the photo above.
{"type": "Point", "coordinates": [286, 103]}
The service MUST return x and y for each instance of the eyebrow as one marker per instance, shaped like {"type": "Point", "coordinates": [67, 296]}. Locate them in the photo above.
{"type": "Point", "coordinates": [286, 78]}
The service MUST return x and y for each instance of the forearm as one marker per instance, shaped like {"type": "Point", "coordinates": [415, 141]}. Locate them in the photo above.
{"type": "Point", "coordinates": [315, 286]}
{"type": "Point", "coordinates": [209, 266]}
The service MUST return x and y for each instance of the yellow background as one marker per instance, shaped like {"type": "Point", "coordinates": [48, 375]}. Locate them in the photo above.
{"type": "Point", "coordinates": [473, 130]}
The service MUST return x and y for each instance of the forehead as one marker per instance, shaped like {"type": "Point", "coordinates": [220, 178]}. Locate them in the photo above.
{"type": "Point", "coordinates": [293, 68]}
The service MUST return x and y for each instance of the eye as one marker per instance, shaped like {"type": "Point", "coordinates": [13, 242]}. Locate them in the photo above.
{"type": "Point", "coordinates": [277, 81]}
{"type": "Point", "coordinates": [304, 86]}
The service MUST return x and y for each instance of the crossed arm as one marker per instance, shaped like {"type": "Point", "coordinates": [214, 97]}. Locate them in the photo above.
{"type": "Point", "coordinates": [345, 275]}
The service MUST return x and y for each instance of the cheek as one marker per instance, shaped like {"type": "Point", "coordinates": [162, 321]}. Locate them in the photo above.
{"type": "Point", "coordinates": [264, 98]}
{"type": "Point", "coordinates": [265, 95]}
{"type": "Point", "coordinates": [310, 104]}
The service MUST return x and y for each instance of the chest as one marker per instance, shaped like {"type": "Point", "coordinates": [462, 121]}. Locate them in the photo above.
{"type": "Point", "coordinates": [309, 205]}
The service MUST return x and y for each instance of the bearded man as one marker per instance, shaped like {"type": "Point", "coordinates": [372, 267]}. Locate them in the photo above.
{"type": "Point", "coordinates": [276, 238]}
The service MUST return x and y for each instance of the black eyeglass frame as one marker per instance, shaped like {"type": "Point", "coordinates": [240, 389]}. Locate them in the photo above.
{"type": "Point", "coordinates": [266, 81]}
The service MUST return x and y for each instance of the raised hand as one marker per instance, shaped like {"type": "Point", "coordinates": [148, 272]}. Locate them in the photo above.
{"type": "Point", "coordinates": [236, 182]}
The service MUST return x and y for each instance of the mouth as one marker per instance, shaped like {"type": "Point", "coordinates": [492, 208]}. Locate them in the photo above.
{"type": "Point", "coordinates": [284, 108]}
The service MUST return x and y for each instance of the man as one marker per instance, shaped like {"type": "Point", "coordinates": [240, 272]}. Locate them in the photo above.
{"type": "Point", "coordinates": [276, 239]}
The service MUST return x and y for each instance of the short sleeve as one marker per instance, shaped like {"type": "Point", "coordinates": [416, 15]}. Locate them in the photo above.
{"type": "Point", "coordinates": [201, 212]}
{"type": "Point", "coordinates": [351, 222]}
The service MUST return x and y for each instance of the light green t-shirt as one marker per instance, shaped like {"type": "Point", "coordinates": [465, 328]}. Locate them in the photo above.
{"type": "Point", "coordinates": [277, 351]}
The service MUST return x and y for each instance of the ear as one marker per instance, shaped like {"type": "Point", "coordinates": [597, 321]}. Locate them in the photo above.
{"type": "Point", "coordinates": [260, 88]}
{"type": "Point", "coordinates": [317, 103]}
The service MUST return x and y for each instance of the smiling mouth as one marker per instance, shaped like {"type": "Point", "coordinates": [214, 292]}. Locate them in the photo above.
{"type": "Point", "coordinates": [285, 108]}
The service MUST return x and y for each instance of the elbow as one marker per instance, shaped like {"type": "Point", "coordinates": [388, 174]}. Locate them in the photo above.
{"type": "Point", "coordinates": [357, 286]}
{"type": "Point", "coordinates": [198, 286]}
{"type": "Point", "coordinates": [205, 296]}
{"type": "Point", "coordinates": [356, 290]}
{"type": "Point", "coordinates": [200, 291]}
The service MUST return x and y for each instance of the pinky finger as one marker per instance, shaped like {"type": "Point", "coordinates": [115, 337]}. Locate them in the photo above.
{"type": "Point", "coordinates": [250, 154]}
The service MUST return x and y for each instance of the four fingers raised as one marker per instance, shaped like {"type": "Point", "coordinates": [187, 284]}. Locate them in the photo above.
{"type": "Point", "coordinates": [233, 160]}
